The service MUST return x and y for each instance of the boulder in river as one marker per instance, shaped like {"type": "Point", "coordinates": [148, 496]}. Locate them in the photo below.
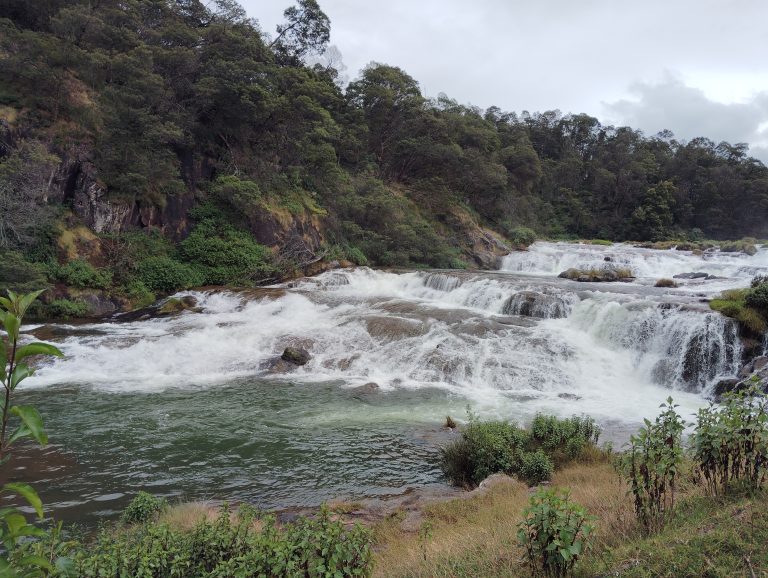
{"type": "Point", "coordinates": [367, 389]}
{"type": "Point", "coordinates": [176, 305]}
{"type": "Point", "coordinates": [694, 275]}
{"type": "Point", "coordinates": [296, 355]}
{"type": "Point", "coordinates": [606, 274]}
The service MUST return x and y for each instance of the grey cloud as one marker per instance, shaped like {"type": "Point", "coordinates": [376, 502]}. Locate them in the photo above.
{"type": "Point", "coordinates": [688, 113]}
{"type": "Point", "coordinates": [544, 54]}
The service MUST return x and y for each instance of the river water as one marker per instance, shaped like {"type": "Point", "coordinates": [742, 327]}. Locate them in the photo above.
{"type": "Point", "coordinates": [186, 407]}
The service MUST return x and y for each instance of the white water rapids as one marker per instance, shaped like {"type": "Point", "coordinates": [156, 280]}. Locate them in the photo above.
{"type": "Point", "coordinates": [508, 343]}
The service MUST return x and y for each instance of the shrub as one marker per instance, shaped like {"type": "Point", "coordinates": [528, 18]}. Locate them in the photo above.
{"type": "Point", "coordinates": [165, 275]}
{"type": "Point", "coordinates": [652, 464]}
{"type": "Point", "coordinates": [19, 274]}
{"type": "Point", "coordinates": [536, 467]}
{"type": "Point", "coordinates": [79, 273]}
{"type": "Point", "coordinates": [356, 256]}
{"type": "Point", "coordinates": [143, 507]}
{"type": "Point", "coordinates": [555, 533]}
{"type": "Point", "coordinates": [139, 294]}
{"type": "Point", "coordinates": [671, 283]}
{"type": "Point", "coordinates": [522, 236]}
{"type": "Point", "coordinates": [225, 255]}
{"type": "Point", "coordinates": [759, 280]}
{"type": "Point", "coordinates": [489, 447]}
{"type": "Point", "coordinates": [568, 436]}
{"type": "Point", "coordinates": [237, 544]}
{"type": "Point", "coordinates": [730, 443]}
{"type": "Point", "coordinates": [757, 298]}
{"type": "Point", "coordinates": [66, 308]}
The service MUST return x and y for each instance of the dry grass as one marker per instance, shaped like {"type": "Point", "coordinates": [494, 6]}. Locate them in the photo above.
{"type": "Point", "coordinates": [187, 515]}
{"type": "Point", "coordinates": [477, 536]}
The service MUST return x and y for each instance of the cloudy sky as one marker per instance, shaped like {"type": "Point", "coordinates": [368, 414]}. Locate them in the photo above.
{"type": "Point", "coordinates": [696, 67]}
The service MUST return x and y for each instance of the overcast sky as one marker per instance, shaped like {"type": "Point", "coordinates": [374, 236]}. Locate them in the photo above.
{"type": "Point", "coordinates": [695, 67]}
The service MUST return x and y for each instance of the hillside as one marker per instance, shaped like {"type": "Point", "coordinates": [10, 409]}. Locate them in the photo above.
{"type": "Point", "coordinates": [147, 146]}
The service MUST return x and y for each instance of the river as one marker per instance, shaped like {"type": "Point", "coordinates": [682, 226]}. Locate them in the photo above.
{"type": "Point", "coordinates": [186, 407]}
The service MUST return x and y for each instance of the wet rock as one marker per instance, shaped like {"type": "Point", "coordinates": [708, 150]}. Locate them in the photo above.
{"type": "Point", "coordinates": [533, 304]}
{"type": "Point", "coordinates": [760, 363]}
{"type": "Point", "coordinates": [608, 259]}
{"type": "Point", "coordinates": [296, 355]}
{"type": "Point", "coordinates": [694, 275]}
{"type": "Point", "coordinates": [569, 396]}
{"type": "Point", "coordinates": [607, 274]}
{"type": "Point", "coordinates": [725, 386]}
{"type": "Point", "coordinates": [99, 305]}
{"type": "Point", "coordinates": [279, 365]}
{"type": "Point", "coordinates": [366, 389]}
{"type": "Point", "coordinates": [176, 305]}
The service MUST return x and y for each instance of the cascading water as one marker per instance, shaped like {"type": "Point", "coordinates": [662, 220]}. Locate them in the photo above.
{"type": "Point", "coordinates": [193, 404]}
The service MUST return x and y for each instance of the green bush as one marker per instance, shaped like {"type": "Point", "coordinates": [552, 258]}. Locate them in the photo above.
{"type": "Point", "coordinates": [757, 298]}
{"type": "Point", "coordinates": [225, 255]}
{"type": "Point", "coordinates": [143, 508]}
{"type": "Point", "coordinates": [730, 442]}
{"type": "Point", "coordinates": [652, 466]}
{"type": "Point", "coordinates": [228, 546]}
{"type": "Point", "coordinates": [19, 274]}
{"type": "Point", "coordinates": [555, 533]}
{"type": "Point", "coordinates": [355, 255]}
{"type": "Point", "coordinates": [570, 435]}
{"type": "Point", "coordinates": [79, 273]}
{"type": "Point", "coordinates": [489, 447]}
{"type": "Point", "coordinates": [165, 275]}
{"type": "Point", "coordinates": [521, 236]}
{"type": "Point", "coordinates": [65, 308]}
{"type": "Point", "coordinates": [536, 467]}
{"type": "Point", "coordinates": [139, 294]}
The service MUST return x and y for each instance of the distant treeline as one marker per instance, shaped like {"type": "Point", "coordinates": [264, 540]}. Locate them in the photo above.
{"type": "Point", "coordinates": [162, 96]}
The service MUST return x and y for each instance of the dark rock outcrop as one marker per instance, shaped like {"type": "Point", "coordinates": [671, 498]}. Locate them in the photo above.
{"type": "Point", "coordinates": [296, 356]}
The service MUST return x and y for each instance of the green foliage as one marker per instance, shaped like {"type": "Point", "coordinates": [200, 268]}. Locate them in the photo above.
{"type": "Point", "coordinates": [143, 507]}
{"type": "Point", "coordinates": [225, 255]}
{"type": "Point", "coordinates": [757, 298]}
{"type": "Point", "coordinates": [81, 274]}
{"type": "Point", "coordinates": [139, 294]}
{"type": "Point", "coordinates": [536, 467]}
{"type": "Point", "coordinates": [165, 275]}
{"type": "Point", "coordinates": [19, 274]}
{"type": "Point", "coordinates": [746, 306]}
{"type": "Point", "coordinates": [66, 308]}
{"type": "Point", "coordinates": [652, 465]}
{"type": "Point", "coordinates": [19, 422]}
{"type": "Point", "coordinates": [555, 533]}
{"type": "Point", "coordinates": [488, 447]}
{"type": "Point", "coordinates": [730, 443]}
{"type": "Point", "coordinates": [571, 436]}
{"type": "Point", "coordinates": [230, 545]}
{"type": "Point", "coordinates": [520, 236]}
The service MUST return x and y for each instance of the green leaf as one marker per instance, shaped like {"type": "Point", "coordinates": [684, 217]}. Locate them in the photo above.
{"type": "Point", "coordinates": [12, 324]}
{"type": "Point", "coordinates": [20, 373]}
{"type": "Point", "coordinates": [24, 301]}
{"type": "Point", "coordinates": [35, 562]}
{"type": "Point", "coordinates": [37, 349]}
{"type": "Point", "coordinates": [32, 419]}
{"type": "Point", "coordinates": [28, 493]}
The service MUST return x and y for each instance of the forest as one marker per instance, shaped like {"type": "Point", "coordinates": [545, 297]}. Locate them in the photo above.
{"type": "Point", "coordinates": [182, 131]}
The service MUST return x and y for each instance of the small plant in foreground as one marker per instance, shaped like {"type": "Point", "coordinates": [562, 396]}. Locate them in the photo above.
{"type": "Point", "coordinates": [143, 507]}
{"type": "Point", "coordinates": [730, 444]}
{"type": "Point", "coordinates": [652, 464]}
{"type": "Point", "coordinates": [555, 533]}
{"type": "Point", "coordinates": [18, 422]}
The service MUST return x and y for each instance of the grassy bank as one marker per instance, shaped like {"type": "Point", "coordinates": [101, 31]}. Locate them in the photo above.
{"type": "Point", "coordinates": [477, 536]}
